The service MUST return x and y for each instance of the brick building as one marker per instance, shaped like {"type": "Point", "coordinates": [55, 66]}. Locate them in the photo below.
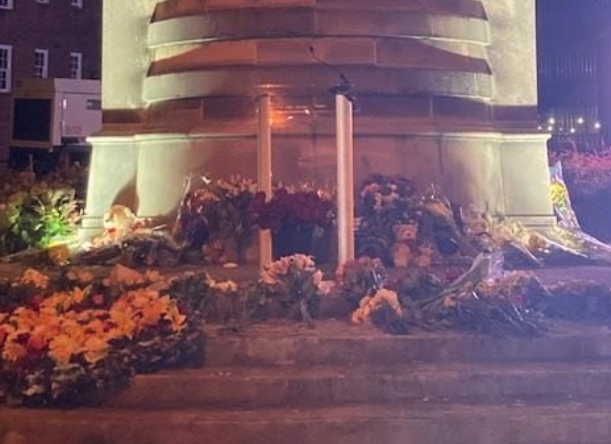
{"type": "Point", "coordinates": [45, 38]}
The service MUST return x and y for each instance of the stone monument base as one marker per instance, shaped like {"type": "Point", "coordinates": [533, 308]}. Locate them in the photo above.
{"type": "Point", "coordinates": [502, 173]}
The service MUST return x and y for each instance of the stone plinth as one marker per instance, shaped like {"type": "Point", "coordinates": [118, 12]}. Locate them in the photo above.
{"type": "Point", "coordinates": [447, 94]}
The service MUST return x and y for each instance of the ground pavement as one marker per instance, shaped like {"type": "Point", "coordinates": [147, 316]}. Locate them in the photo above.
{"type": "Point", "coordinates": [280, 382]}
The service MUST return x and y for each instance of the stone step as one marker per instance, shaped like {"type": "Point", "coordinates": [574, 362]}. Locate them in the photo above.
{"type": "Point", "coordinates": [570, 423]}
{"type": "Point", "coordinates": [327, 386]}
{"type": "Point", "coordinates": [341, 343]}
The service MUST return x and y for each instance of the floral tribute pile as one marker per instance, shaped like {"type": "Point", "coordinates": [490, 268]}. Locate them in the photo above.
{"type": "Point", "coordinates": [300, 219]}
{"type": "Point", "coordinates": [77, 340]}
{"type": "Point", "coordinates": [484, 299]}
{"type": "Point", "coordinates": [217, 215]}
{"type": "Point", "coordinates": [216, 223]}
{"type": "Point", "coordinates": [410, 229]}
{"type": "Point", "coordinates": [405, 228]}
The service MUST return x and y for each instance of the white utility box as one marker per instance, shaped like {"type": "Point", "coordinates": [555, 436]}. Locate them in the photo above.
{"type": "Point", "coordinates": [49, 113]}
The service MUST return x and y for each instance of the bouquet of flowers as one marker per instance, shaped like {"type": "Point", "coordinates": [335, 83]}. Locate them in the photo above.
{"type": "Point", "coordinates": [289, 207]}
{"type": "Point", "coordinates": [361, 278]}
{"type": "Point", "coordinates": [382, 203]}
{"type": "Point", "coordinates": [295, 216]}
{"type": "Point", "coordinates": [295, 283]}
{"type": "Point", "coordinates": [384, 310]}
{"type": "Point", "coordinates": [484, 299]}
{"type": "Point", "coordinates": [218, 213]}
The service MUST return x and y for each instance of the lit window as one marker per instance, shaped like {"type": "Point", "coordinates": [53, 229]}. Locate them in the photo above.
{"type": "Point", "coordinates": [41, 63]}
{"type": "Point", "coordinates": [6, 61]}
{"type": "Point", "coordinates": [77, 3]}
{"type": "Point", "coordinates": [76, 65]}
{"type": "Point", "coordinates": [6, 4]}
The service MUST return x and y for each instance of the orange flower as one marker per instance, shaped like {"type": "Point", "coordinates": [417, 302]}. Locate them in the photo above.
{"type": "Point", "coordinates": [25, 318]}
{"type": "Point", "coordinates": [14, 352]}
{"type": "Point", "coordinates": [124, 321]}
{"type": "Point", "coordinates": [96, 327]}
{"type": "Point", "coordinates": [151, 314]}
{"type": "Point", "coordinates": [96, 349]}
{"type": "Point", "coordinates": [62, 348]}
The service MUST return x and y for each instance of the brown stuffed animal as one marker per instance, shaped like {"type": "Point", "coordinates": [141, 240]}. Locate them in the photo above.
{"type": "Point", "coordinates": [405, 250]}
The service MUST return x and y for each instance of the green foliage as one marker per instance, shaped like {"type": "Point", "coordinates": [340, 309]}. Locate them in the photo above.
{"type": "Point", "coordinates": [36, 218]}
{"type": "Point", "coordinates": [34, 214]}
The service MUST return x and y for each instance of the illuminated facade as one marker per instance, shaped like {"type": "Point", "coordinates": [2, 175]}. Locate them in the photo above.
{"type": "Point", "coordinates": [447, 95]}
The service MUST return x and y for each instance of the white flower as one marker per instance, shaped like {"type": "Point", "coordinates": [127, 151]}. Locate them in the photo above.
{"type": "Point", "coordinates": [225, 286]}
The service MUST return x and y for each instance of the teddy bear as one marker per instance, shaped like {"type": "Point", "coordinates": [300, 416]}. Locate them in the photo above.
{"type": "Point", "coordinates": [119, 221]}
{"type": "Point", "coordinates": [404, 249]}
{"type": "Point", "coordinates": [408, 250]}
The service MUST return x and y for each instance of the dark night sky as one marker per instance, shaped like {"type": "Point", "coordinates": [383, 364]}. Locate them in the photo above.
{"type": "Point", "coordinates": [567, 21]}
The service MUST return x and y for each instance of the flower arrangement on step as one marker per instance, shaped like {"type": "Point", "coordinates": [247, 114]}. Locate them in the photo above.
{"type": "Point", "coordinates": [75, 340]}
{"type": "Point", "coordinates": [216, 216]}
{"type": "Point", "coordinates": [295, 284]}
{"type": "Point", "coordinates": [361, 278]}
{"type": "Point", "coordinates": [406, 229]}
{"type": "Point", "coordinates": [484, 299]}
{"type": "Point", "coordinates": [130, 241]}
{"type": "Point", "coordinates": [296, 217]}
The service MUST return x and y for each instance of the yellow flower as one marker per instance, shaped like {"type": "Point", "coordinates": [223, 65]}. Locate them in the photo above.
{"type": "Point", "coordinates": [96, 349]}
{"type": "Point", "coordinates": [62, 348]}
{"type": "Point", "coordinates": [177, 319]}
